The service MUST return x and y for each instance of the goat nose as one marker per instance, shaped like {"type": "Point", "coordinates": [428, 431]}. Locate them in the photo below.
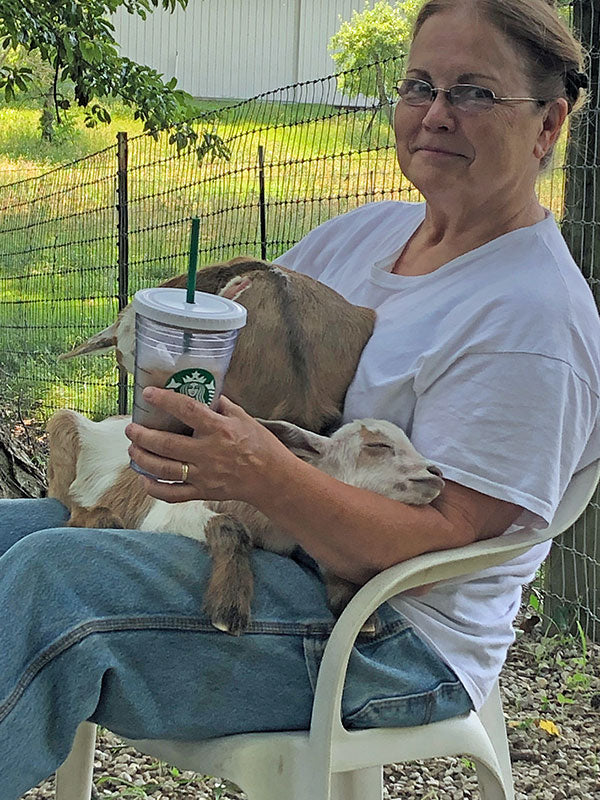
{"type": "Point", "coordinates": [427, 478]}
{"type": "Point", "coordinates": [434, 470]}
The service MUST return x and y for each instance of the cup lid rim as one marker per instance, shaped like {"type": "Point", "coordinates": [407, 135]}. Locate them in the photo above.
{"type": "Point", "coordinates": [209, 311]}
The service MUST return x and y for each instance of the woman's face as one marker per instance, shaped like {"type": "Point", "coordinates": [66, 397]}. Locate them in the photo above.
{"type": "Point", "coordinates": [451, 155]}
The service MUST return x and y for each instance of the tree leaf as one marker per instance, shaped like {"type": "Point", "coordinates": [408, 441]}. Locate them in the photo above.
{"type": "Point", "coordinates": [548, 726]}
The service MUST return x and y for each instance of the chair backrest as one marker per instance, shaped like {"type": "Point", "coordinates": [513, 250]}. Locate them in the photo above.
{"type": "Point", "coordinates": [576, 498]}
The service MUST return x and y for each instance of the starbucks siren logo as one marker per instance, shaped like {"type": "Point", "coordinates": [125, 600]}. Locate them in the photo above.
{"type": "Point", "coordinates": [197, 383]}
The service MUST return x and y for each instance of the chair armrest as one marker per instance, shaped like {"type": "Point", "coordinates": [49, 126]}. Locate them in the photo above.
{"type": "Point", "coordinates": [423, 569]}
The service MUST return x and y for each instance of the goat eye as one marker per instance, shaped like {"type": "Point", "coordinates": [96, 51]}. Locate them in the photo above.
{"type": "Point", "coordinates": [378, 446]}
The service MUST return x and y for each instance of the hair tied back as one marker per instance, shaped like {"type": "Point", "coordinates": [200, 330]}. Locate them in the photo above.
{"type": "Point", "coordinates": [578, 80]}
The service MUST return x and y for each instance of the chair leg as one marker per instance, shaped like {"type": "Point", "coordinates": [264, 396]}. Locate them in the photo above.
{"type": "Point", "coordinates": [74, 776]}
{"type": "Point", "coordinates": [490, 788]}
{"type": "Point", "coordinates": [492, 717]}
{"type": "Point", "coordinates": [360, 784]}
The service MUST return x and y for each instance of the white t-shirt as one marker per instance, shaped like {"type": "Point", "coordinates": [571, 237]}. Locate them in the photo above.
{"type": "Point", "coordinates": [491, 365]}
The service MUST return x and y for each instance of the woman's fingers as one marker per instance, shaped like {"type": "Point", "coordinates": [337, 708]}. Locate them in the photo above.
{"type": "Point", "coordinates": [195, 414]}
{"type": "Point", "coordinates": [150, 447]}
{"type": "Point", "coordinates": [166, 469]}
{"type": "Point", "coordinates": [170, 492]}
{"type": "Point", "coordinates": [225, 455]}
{"type": "Point", "coordinates": [162, 443]}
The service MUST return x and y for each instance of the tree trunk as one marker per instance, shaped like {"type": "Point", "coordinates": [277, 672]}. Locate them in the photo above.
{"type": "Point", "coordinates": [47, 118]}
{"type": "Point", "coordinates": [19, 475]}
{"type": "Point", "coordinates": [384, 101]}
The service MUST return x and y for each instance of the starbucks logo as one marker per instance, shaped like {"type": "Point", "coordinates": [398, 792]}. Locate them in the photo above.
{"type": "Point", "coordinates": [196, 383]}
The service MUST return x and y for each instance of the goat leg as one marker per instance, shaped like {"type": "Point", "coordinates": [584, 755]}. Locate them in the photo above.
{"type": "Point", "coordinates": [95, 517]}
{"type": "Point", "coordinates": [228, 597]}
{"type": "Point", "coordinates": [339, 593]}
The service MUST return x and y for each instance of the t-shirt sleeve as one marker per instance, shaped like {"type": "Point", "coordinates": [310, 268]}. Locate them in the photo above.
{"type": "Point", "coordinates": [510, 425]}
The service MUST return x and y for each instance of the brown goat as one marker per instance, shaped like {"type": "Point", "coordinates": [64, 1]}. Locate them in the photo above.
{"type": "Point", "coordinates": [296, 356]}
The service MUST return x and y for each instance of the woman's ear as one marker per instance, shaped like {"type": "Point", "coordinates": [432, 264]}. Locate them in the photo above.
{"type": "Point", "coordinates": [553, 118]}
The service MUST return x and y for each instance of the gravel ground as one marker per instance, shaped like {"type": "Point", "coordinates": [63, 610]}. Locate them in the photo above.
{"type": "Point", "coordinates": [551, 691]}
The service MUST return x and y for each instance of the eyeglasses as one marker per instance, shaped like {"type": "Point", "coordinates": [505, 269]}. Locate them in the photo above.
{"type": "Point", "coordinates": [463, 96]}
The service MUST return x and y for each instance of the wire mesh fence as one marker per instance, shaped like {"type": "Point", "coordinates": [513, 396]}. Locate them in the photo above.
{"type": "Point", "coordinates": [57, 275]}
{"type": "Point", "coordinates": [571, 578]}
{"type": "Point", "coordinates": [76, 242]}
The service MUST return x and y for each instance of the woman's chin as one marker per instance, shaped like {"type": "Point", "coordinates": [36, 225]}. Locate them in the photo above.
{"type": "Point", "coordinates": [435, 181]}
{"type": "Point", "coordinates": [430, 169]}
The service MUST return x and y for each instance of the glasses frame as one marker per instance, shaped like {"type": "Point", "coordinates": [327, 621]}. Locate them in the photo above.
{"type": "Point", "coordinates": [435, 90]}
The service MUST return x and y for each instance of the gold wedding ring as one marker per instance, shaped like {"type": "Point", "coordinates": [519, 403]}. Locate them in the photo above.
{"type": "Point", "coordinates": [185, 471]}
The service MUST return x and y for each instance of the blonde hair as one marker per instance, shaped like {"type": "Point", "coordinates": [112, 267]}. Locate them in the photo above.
{"type": "Point", "coordinates": [554, 58]}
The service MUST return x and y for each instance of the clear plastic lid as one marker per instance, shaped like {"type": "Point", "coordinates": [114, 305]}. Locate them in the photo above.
{"type": "Point", "coordinates": [209, 312]}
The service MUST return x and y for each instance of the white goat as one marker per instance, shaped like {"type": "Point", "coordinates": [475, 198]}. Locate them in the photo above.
{"type": "Point", "coordinates": [89, 473]}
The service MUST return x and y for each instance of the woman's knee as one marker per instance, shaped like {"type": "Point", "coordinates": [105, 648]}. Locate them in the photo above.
{"type": "Point", "coordinates": [21, 518]}
{"type": "Point", "coordinates": [50, 548]}
{"type": "Point", "coordinates": [57, 573]}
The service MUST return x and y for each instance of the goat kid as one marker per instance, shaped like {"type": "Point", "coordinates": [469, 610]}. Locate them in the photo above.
{"type": "Point", "coordinates": [89, 473]}
{"type": "Point", "coordinates": [312, 336]}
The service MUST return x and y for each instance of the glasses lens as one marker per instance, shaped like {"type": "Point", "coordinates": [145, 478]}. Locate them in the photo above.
{"type": "Point", "coordinates": [471, 99]}
{"type": "Point", "coordinates": [414, 92]}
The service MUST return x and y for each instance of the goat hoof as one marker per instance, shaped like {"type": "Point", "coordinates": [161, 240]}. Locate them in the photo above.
{"type": "Point", "coordinates": [220, 626]}
{"type": "Point", "coordinates": [370, 625]}
{"type": "Point", "coordinates": [232, 621]}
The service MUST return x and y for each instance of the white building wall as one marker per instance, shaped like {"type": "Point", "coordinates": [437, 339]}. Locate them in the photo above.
{"type": "Point", "coordinates": [236, 48]}
{"type": "Point", "coordinates": [320, 19]}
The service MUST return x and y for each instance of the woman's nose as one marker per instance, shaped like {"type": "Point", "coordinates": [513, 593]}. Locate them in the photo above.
{"type": "Point", "coordinates": [440, 113]}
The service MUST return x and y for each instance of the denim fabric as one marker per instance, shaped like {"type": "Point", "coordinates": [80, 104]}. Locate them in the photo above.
{"type": "Point", "coordinates": [109, 626]}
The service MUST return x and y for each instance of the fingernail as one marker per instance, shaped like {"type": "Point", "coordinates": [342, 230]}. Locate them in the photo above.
{"type": "Point", "coordinates": [149, 392]}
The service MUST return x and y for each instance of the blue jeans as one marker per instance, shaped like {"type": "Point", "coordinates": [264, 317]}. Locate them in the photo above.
{"type": "Point", "coordinates": [108, 626]}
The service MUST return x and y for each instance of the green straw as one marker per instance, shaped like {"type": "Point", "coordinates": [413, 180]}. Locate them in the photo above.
{"type": "Point", "coordinates": [193, 262]}
{"type": "Point", "coordinates": [191, 277]}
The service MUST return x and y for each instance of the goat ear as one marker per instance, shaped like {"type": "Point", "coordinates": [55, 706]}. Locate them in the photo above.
{"type": "Point", "coordinates": [234, 288]}
{"type": "Point", "coordinates": [305, 444]}
{"type": "Point", "coordinates": [103, 340]}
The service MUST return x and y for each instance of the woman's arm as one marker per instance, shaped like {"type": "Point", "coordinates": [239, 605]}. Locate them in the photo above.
{"type": "Point", "coordinates": [354, 532]}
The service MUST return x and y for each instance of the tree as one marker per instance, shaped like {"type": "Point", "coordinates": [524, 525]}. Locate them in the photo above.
{"type": "Point", "coordinates": [370, 37]}
{"type": "Point", "coordinates": [75, 37]}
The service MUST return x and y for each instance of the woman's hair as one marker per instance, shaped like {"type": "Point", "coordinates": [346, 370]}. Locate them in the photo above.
{"type": "Point", "coordinates": [554, 58]}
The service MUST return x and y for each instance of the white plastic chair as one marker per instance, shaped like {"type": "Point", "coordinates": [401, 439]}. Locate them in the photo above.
{"type": "Point", "coordinates": [328, 762]}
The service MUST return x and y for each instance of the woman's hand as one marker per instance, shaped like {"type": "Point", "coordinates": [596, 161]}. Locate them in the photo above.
{"type": "Point", "coordinates": [228, 456]}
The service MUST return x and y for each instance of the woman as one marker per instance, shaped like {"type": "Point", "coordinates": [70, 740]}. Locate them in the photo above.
{"type": "Point", "coordinates": [485, 351]}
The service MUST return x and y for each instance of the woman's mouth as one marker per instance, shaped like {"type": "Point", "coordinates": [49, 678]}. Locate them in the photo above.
{"type": "Point", "coordinates": [437, 151]}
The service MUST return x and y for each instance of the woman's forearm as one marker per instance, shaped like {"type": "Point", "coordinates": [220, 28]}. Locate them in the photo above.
{"type": "Point", "coordinates": [354, 532]}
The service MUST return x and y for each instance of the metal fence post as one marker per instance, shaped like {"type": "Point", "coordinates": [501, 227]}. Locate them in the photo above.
{"type": "Point", "coordinates": [262, 202]}
{"type": "Point", "coordinates": [572, 575]}
{"type": "Point", "coordinates": [123, 251]}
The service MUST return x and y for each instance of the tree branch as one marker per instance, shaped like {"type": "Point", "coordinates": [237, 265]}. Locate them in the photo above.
{"type": "Point", "coordinates": [55, 90]}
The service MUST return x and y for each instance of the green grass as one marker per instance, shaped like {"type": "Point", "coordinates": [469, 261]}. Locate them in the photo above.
{"type": "Point", "coordinates": [58, 234]}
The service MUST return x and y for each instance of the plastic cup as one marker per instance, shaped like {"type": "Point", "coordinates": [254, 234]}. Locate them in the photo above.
{"type": "Point", "coordinates": [185, 347]}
